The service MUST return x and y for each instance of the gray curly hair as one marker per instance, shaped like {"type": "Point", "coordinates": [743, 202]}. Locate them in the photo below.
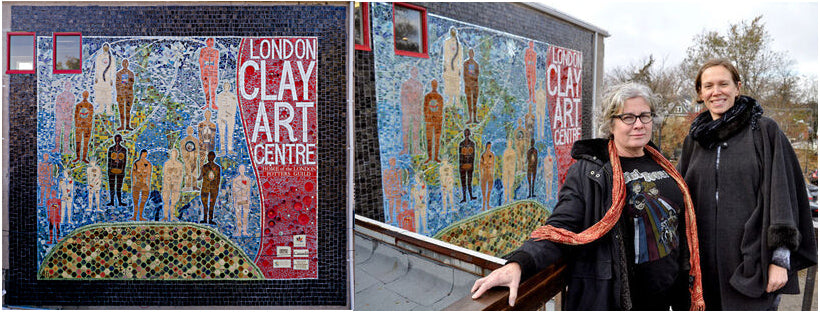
{"type": "Point", "coordinates": [614, 99]}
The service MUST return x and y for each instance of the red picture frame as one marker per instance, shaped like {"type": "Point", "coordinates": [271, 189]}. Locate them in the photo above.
{"type": "Point", "coordinates": [410, 35]}
{"type": "Point", "coordinates": [63, 54]}
{"type": "Point", "coordinates": [363, 27]}
{"type": "Point", "coordinates": [9, 51]}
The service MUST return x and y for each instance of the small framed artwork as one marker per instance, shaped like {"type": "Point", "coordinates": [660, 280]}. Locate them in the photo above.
{"type": "Point", "coordinates": [410, 30]}
{"type": "Point", "coordinates": [68, 53]}
{"type": "Point", "coordinates": [20, 53]}
{"type": "Point", "coordinates": [362, 26]}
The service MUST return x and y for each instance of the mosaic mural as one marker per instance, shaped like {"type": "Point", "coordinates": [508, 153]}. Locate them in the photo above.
{"type": "Point", "coordinates": [481, 127]}
{"type": "Point", "coordinates": [179, 158]}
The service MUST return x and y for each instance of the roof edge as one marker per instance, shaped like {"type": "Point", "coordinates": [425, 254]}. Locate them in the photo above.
{"type": "Point", "coordinates": [566, 17]}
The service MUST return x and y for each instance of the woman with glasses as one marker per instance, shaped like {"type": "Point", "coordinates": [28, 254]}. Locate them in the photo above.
{"type": "Point", "coordinates": [624, 222]}
{"type": "Point", "coordinates": [753, 215]}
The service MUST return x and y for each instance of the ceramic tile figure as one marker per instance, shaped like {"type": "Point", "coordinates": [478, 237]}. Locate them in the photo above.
{"type": "Point", "coordinates": [209, 72]}
{"type": "Point", "coordinates": [45, 179]}
{"type": "Point", "coordinates": [62, 115]}
{"type": "Point", "coordinates": [419, 194]}
{"type": "Point", "coordinates": [94, 177]}
{"type": "Point", "coordinates": [207, 136]}
{"type": "Point", "coordinates": [105, 70]}
{"type": "Point", "coordinates": [391, 179]}
{"type": "Point", "coordinates": [486, 167]}
{"type": "Point", "coordinates": [54, 217]}
{"type": "Point", "coordinates": [549, 163]}
{"type": "Point", "coordinates": [521, 145]}
{"type": "Point", "coordinates": [172, 173]}
{"type": "Point", "coordinates": [529, 124]}
{"type": "Point", "coordinates": [452, 61]}
{"type": "Point", "coordinates": [540, 111]}
{"type": "Point", "coordinates": [67, 197]}
{"type": "Point", "coordinates": [125, 95]}
{"type": "Point", "coordinates": [226, 118]}
{"type": "Point", "coordinates": [529, 66]}
{"type": "Point", "coordinates": [508, 172]}
{"type": "Point", "coordinates": [83, 124]}
{"type": "Point", "coordinates": [466, 165]}
{"type": "Point", "coordinates": [471, 88]}
{"type": "Point", "coordinates": [140, 184]}
{"type": "Point", "coordinates": [190, 156]}
{"type": "Point", "coordinates": [433, 116]}
{"type": "Point", "coordinates": [211, 176]}
{"type": "Point", "coordinates": [532, 167]}
{"type": "Point", "coordinates": [240, 200]}
{"type": "Point", "coordinates": [445, 175]}
{"type": "Point", "coordinates": [117, 159]}
{"type": "Point", "coordinates": [411, 110]}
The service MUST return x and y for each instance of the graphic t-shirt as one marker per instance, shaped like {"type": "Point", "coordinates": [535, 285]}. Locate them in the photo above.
{"type": "Point", "coordinates": [654, 225]}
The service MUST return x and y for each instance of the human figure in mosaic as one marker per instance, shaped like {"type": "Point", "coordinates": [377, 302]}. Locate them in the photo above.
{"type": "Point", "coordinates": [466, 165]}
{"type": "Point", "coordinates": [207, 136]}
{"type": "Point", "coordinates": [94, 176]}
{"type": "Point", "coordinates": [486, 167]}
{"type": "Point", "coordinates": [190, 155]}
{"type": "Point", "coordinates": [392, 189]}
{"type": "Point", "coordinates": [226, 118]}
{"type": "Point", "coordinates": [549, 163]}
{"type": "Point", "coordinates": [419, 194]}
{"type": "Point", "coordinates": [172, 173]}
{"type": "Point", "coordinates": [445, 173]}
{"type": "Point", "coordinates": [411, 108]}
{"type": "Point", "coordinates": [540, 111]}
{"type": "Point", "coordinates": [125, 95]}
{"type": "Point", "coordinates": [508, 172]}
{"type": "Point", "coordinates": [211, 177]}
{"type": "Point", "coordinates": [45, 178]}
{"type": "Point", "coordinates": [67, 196]}
{"type": "Point", "coordinates": [209, 71]}
{"type": "Point", "coordinates": [452, 60]}
{"type": "Point", "coordinates": [105, 73]}
{"type": "Point", "coordinates": [54, 218]}
{"type": "Point", "coordinates": [62, 116]}
{"type": "Point", "coordinates": [529, 66]}
{"type": "Point", "coordinates": [241, 200]}
{"type": "Point", "coordinates": [433, 116]}
{"type": "Point", "coordinates": [471, 71]}
{"type": "Point", "coordinates": [521, 145]}
{"type": "Point", "coordinates": [117, 159]}
{"type": "Point", "coordinates": [141, 183]}
{"type": "Point", "coordinates": [532, 167]}
{"type": "Point", "coordinates": [529, 123]}
{"type": "Point", "coordinates": [83, 124]}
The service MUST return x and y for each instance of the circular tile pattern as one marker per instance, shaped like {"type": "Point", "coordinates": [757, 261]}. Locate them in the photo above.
{"type": "Point", "coordinates": [147, 251]}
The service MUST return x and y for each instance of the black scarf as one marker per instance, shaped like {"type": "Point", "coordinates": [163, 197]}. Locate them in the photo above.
{"type": "Point", "coordinates": [708, 132]}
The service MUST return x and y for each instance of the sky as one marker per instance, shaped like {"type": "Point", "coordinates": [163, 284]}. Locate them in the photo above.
{"type": "Point", "coordinates": [666, 28]}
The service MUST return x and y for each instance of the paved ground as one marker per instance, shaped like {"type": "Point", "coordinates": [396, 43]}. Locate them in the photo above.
{"type": "Point", "coordinates": [795, 302]}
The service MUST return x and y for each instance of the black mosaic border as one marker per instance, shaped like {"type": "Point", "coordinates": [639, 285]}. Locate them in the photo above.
{"type": "Point", "coordinates": [327, 22]}
{"type": "Point", "coordinates": [513, 18]}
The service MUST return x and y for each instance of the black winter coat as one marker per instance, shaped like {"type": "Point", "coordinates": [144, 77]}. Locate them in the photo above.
{"type": "Point", "coordinates": [597, 276]}
{"type": "Point", "coordinates": [748, 202]}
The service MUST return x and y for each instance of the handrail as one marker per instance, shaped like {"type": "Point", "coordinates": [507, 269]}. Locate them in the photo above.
{"type": "Point", "coordinates": [532, 293]}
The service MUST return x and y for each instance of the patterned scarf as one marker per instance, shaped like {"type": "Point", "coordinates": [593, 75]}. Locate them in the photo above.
{"type": "Point", "coordinates": [708, 132]}
{"type": "Point", "coordinates": [560, 235]}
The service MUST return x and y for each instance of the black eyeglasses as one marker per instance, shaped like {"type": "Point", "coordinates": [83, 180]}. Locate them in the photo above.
{"type": "Point", "coordinates": [629, 118]}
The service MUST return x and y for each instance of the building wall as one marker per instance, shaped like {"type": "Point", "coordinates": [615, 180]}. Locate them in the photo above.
{"type": "Point", "coordinates": [165, 28]}
{"type": "Point", "coordinates": [500, 33]}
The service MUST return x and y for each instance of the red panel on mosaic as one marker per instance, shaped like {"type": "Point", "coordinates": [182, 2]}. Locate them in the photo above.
{"type": "Point", "coordinates": [564, 74]}
{"type": "Point", "coordinates": [276, 87]}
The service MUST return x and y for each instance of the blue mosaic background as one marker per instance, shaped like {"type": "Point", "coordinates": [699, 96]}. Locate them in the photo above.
{"type": "Point", "coordinates": [503, 100]}
{"type": "Point", "coordinates": [168, 98]}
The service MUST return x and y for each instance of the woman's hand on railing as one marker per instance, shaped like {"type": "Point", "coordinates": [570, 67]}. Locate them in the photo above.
{"type": "Point", "coordinates": [508, 275]}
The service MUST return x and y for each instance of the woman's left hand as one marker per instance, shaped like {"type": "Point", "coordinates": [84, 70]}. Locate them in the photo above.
{"type": "Point", "coordinates": [778, 277]}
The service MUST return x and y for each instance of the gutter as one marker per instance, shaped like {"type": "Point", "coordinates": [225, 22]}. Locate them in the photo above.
{"type": "Point", "coordinates": [351, 153]}
{"type": "Point", "coordinates": [566, 17]}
